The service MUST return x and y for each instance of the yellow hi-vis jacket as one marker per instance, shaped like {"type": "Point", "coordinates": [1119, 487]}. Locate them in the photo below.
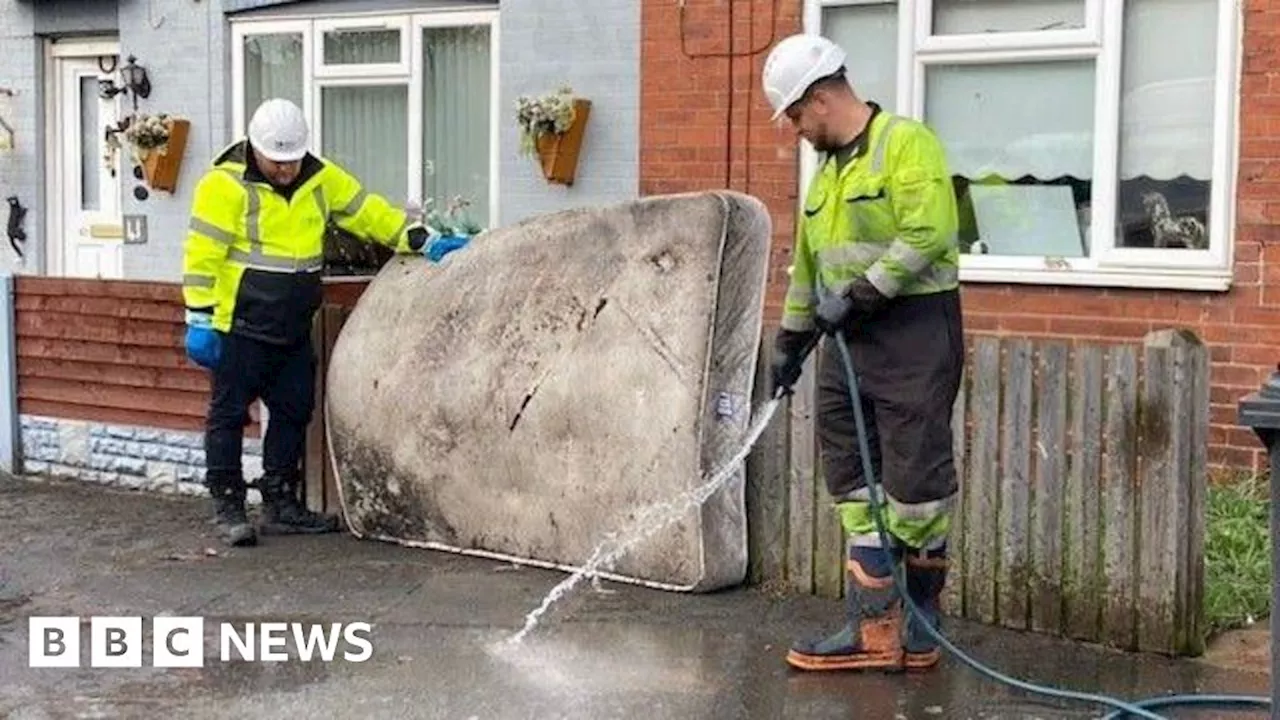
{"type": "Point", "coordinates": [889, 215]}
{"type": "Point", "coordinates": [254, 254]}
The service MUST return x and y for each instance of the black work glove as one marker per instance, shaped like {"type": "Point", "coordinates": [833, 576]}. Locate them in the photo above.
{"type": "Point", "coordinates": [840, 312]}
{"type": "Point", "coordinates": [418, 237]}
{"type": "Point", "coordinates": [789, 355]}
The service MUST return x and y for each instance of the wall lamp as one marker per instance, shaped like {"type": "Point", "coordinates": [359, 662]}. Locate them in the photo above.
{"type": "Point", "coordinates": [135, 80]}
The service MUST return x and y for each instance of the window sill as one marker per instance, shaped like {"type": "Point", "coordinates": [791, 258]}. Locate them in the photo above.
{"type": "Point", "coordinates": [1192, 281]}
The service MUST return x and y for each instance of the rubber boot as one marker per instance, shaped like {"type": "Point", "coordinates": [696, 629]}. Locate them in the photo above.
{"type": "Point", "coordinates": [872, 636]}
{"type": "Point", "coordinates": [283, 513]}
{"type": "Point", "coordinates": [926, 577]}
{"type": "Point", "coordinates": [227, 493]}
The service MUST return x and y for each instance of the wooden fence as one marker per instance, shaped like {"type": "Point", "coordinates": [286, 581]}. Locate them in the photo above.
{"type": "Point", "coordinates": [1082, 474]}
{"type": "Point", "coordinates": [320, 486]}
{"type": "Point", "coordinates": [106, 351]}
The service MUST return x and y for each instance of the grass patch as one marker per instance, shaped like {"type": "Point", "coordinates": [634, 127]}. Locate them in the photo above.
{"type": "Point", "coordinates": [1237, 553]}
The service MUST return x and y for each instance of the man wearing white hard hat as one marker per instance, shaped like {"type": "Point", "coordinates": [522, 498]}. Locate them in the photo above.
{"type": "Point", "coordinates": [252, 267]}
{"type": "Point", "coordinates": [876, 258]}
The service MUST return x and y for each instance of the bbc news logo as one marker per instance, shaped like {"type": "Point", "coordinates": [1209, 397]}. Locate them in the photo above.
{"type": "Point", "coordinates": [179, 642]}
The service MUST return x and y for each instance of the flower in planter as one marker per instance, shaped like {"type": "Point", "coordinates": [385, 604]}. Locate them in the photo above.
{"type": "Point", "coordinates": [148, 134]}
{"type": "Point", "coordinates": [551, 113]}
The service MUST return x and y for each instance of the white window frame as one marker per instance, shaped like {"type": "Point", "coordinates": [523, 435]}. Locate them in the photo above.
{"type": "Point", "coordinates": [325, 25]}
{"type": "Point", "coordinates": [1100, 40]}
{"type": "Point", "coordinates": [455, 18]}
{"type": "Point", "coordinates": [316, 75]}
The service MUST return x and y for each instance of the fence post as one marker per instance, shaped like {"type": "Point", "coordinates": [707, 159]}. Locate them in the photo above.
{"type": "Point", "coordinates": [1261, 412]}
{"type": "Point", "coordinates": [10, 425]}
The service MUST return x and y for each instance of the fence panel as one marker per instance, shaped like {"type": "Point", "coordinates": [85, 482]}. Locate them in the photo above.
{"type": "Point", "coordinates": [1082, 492]}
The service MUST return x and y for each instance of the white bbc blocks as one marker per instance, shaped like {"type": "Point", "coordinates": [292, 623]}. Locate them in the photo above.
{"type": "Point", "coordinates": [54, 642]}
{"type": "Point", "coordinates": [116, 642]}
{"type": "Point", "coordinates": [178, 642]}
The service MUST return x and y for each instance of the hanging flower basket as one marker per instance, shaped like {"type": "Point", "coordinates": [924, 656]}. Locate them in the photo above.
{"type": "Point", "coordinates": [552, 126]}
{"type": "Point", "coordinates": [158, 142]}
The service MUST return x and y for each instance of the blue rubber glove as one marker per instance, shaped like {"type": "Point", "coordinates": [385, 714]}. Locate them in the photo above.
{"type": "Point", "coordinates": [442, 245]}
{"type": "Point", "coordinates": [204, 346]}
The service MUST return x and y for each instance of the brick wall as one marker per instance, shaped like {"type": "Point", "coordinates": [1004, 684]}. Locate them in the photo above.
{"type": "Point", "coordinates": [685, 128]}
{"type": "Point", "coordinates": [691, 110]}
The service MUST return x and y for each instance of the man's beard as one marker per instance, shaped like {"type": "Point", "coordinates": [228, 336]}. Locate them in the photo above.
{"type": "Point", "coordinates": [824, 145]}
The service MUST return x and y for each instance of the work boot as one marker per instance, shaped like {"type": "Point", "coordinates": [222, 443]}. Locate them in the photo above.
{"type": "Point", "coordinates": [227, 492]}
{"type": "Point", "coordinates": [926, 577]}
{"type": "Point", "coordinates": [871, 639]}
{"type": "Point", "coordinates": [283, 513]}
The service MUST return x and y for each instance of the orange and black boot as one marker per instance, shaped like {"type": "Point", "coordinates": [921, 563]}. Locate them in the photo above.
{"type": "Point", "coordinates": [872, 637]}
{"type": "Point", "coordinates": [926, 577]}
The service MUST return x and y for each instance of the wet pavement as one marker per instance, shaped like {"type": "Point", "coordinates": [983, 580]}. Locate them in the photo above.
{"type": "Point", "coordinates": [437, 624]}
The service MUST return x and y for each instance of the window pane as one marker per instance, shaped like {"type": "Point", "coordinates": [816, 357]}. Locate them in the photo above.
{"type": "Point", "coordinates": [869, 34]}
{"type": "Point", "coordinates": [961, 17]}
{"type": "Point", "coordinates": [91, 134]}
{"type": "Point", "coordinates": [1166, 122]}
{"type": "Point", "coordinates": [455, 123]}
{"type": "Point", "coordinates": [1019, 138]}
{"type": "Point", "coordinates": [359, 46]}
{"type": "Point", "coordinates": [272, 68]}
{"type": "Point", "coordinates": [365, 130]}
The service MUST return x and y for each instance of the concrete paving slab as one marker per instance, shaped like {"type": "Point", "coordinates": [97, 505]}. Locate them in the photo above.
{"type": "Point", "coordinates": [438, 623]}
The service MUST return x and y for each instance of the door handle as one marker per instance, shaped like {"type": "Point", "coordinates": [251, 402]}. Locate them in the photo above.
{"type": "Point", "coordinates": [106, 231]}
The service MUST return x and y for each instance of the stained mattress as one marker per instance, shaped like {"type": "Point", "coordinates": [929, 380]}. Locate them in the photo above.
{"type": "Point", "coordinates": [539, 389]}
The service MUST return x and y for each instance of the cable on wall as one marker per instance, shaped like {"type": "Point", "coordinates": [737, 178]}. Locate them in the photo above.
{"type": "Point", "coordinates": [752, 52]}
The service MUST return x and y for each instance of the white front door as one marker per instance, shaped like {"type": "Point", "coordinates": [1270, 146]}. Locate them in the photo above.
{"type": "Point", "coordinates": [86, 188]}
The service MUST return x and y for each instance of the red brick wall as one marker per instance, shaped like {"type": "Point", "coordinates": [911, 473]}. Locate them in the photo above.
{"type": "Point", "coordinates": [685, 128]}
{"type": "Point", "coordinates": [691, 109]}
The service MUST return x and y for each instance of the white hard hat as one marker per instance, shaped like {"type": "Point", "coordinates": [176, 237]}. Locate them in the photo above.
{"type": "Point", "coordinates": [794, 64]}
{"type": "Point", "coordinates": [279, 131]}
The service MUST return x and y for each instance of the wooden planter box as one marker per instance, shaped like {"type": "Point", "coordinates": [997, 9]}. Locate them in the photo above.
{"type": "Point", "coordinates": [559, 151]}
{"type": "Point", "coordinates": [161, 168]}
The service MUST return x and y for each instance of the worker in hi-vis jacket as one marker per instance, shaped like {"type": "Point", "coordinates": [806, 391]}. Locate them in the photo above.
{"type": "Point", "coordinates": [252, 267]}
{"type": "Point", "coordinates": [876, 258]}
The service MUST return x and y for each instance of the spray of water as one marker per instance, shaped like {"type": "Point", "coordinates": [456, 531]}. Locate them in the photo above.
{"type": "Point", "coordinates": [648, 521]}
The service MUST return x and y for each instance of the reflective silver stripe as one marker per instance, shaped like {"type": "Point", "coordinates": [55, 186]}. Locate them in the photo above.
{"type": "Point", "coordinates": [885, 280]}
{"type": "Point", "coordinates": [910, 258]}
{"type": "Point", "coordinates": [354, 206]}
{"type": "Point", "coordinates": [862, 494]}
{"type": "Point", "coordinates": [252, 218]}
{"type": "Point", "coordinates": [862, 254]}
{"type": "Point", "coordinates": [888, 285]}
{"type": "Point", "coordinates": [256, 260]}
{"type": "Point", "coordinates": [942, 276]}
{"type": "Point", "coordinates": [197, 281]}
{"type": "Point", "coordinates": [877, 161]}
{"type": "Point", "coordinates": [870, 540]}
{"type": "Point", "coordinates": [212, 231]}
{"type": "Point", "coordinates": [796, 323]}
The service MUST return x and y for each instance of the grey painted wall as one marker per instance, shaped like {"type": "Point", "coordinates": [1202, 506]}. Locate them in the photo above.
{"type": "Point", "coordinates": [594, 47]}
{"type": "Point", "coordinates": [54, 17]}
{"type": "Point", "coordinates": [183, 45]}
{"type": "Point", "coordinates": [21, 168]}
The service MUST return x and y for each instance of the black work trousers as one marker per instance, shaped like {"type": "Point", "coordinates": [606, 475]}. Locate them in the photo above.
{"type": "Point", "coordinates": [909, 359]}
{"type": "Point", "coordinates": [283, 377]}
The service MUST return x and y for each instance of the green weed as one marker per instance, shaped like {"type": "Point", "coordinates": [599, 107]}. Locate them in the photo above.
{"type": "Point", "coordinates": [1237, 554]}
